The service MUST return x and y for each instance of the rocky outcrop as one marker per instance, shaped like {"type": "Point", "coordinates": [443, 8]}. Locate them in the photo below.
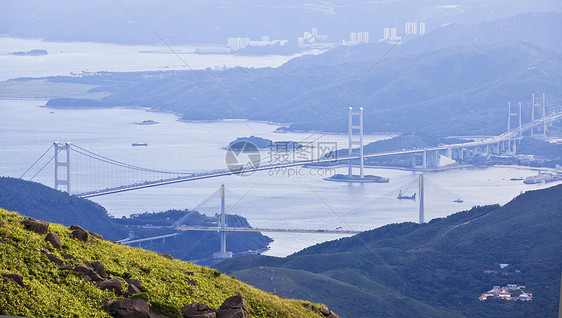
{"type": "Point", "coordinates": [112, 284]}
{"type": "Point", "coordinates": [54, 239]}
{"type": "Point", "coordinates": [96, 235]}
{"type": "Point", "coordinates": [16, 278]}
{"type": "Point", "coordinates": [55, 259]}
{"type": "Point", "coordinates": [135, 282]}
{"type": "Point", "coordinates": [70, 256]}
{"type": "Point", "coordinates": [90, 273]}
{"type": "Point", "coordinates": [39, 227]}
{"type": "Point", "coordinates": [132, 289]}
{"type": "Point", "coordinates": [79, 233]}
{"type": "Point", "coordinates": [198, 310]}
{"type": "Point", "coordinates": [323, 311]}
{"type": "Point", "coordinates": [168, 256]}
{"type": "Point", "coordinates": [232, 307]}
{"type": "Point", "coordinates": [100, 269]}
{"type": "Point", "coordinates": [129, 308]}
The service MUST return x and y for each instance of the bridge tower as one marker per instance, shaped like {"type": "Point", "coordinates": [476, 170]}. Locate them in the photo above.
{"type": "Point", "coordinates": [421, 212]}
{"type": "Point", "coordinates": [222, 254]}
{"type": "Point", "coordinates": [356, 127]}
{"type": "Point", "coordinates": [543, 113]}
{"type": "Point", "coordinates": [64, 164]}
{"type": "Point", "coordinates": [509, 116]}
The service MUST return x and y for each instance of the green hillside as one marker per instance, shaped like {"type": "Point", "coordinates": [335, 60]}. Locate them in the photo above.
{"type": "Point", "coordinates": [67, 281]}
{"type": "Point", "coordinates": [444, 264]}
{"type": "Point", "coordinates": [44, 203]}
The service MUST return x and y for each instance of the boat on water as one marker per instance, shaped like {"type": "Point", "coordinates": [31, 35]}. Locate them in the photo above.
{"type": "Point", "coordinates": [140, 144]}
{"type": "Point", "coordinates": [516, 179]}
{"type": "Point", "coordinates": [402, 195]}
{"type": "Point", "coordinates": [458, 201]}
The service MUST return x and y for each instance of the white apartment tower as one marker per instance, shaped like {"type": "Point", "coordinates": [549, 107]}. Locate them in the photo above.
{"type": "Point", "coordinates": [386, 33]}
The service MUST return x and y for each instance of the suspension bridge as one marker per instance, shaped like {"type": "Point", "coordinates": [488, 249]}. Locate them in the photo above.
{"type": "Point", "coordinates": [422, 159]}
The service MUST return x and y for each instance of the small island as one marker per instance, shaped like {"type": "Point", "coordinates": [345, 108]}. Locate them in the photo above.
{"type": "Point", "coordinates": [262, 143]}
{"type": "Point", "coordinates": [35, 52]}
{"type": "Point", "coordinates": [146, 122]}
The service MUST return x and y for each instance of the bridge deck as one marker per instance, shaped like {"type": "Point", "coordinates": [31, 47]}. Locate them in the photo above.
{"type": "Point", "coordinates": [503, 137]}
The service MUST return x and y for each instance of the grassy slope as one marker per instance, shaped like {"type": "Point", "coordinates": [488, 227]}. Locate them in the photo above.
{"type": "Point", "coordinates": [441, 263]}
{"type": "Point", "coordinates": [49, 291]}
{"type": "Point", "coordinates": [44, 203]}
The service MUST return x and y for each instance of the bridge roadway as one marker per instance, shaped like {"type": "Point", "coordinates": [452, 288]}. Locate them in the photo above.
{"type": "Point", "coordinates": [235, 229]}
{"type": "Point", "coordinates": [220, 173]}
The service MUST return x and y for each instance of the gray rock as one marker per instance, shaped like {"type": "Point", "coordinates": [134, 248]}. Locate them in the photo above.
{"type": "Point", "coordinates": [135, 282]}
{"type": "Point", "coordinates": [69, 256]}
{"type": "Point", "coordinates": [113, 284]}
{"type": "Point", "coordinates": [45, 251]}
{"type": "Point", "coordinates": [198, 310]}
{"type": "Point", "coordinates": [16, 278]}
{"type": "Point", "coordinates": [188, 273]}
{"type": "Point", "coordinates": [191, 282]}
{"type": "Point", "coordinates": [235, 302]}
{"type": "Point", "coordinates": [234, 307]}
{"type": "Point", "coordinates": [168, 256]}
{"type": "Point", "coordinates": [129, 308]}
{"type": "Point", "coordinates": [40, 227]}
{"type": "Point", "coordinates": [132, 289]}
{"type": "Point", "coordinates": [54, 259]}
{"type": "Point", "coordinates": [54, 239]}
{"type": "Point", "coordinates": [96, 235]}
{"type": "Point", "coordinates": [66, 268]}
{"type": "Point", "coordinates": [79, 233]}
{"type": "Point", "coordinates": [84, 270]}
{"type": "Point", "coordinates": [99, 268]}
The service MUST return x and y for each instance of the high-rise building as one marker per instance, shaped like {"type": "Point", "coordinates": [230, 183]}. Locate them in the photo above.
{"type": "Point", "coordinates": [422, 28]}
{"type": "Point", "coordinates": [365, 37]}
{"type": "Point", "coordinates": [359, 37]}
{"type": "Point", "coordinates": [411, 28]}
{"type": "Point", "coordinates": [352, 37]}
{"type": "Point", "coordinates": [314, 31]}
{"type": "Point", "coordinates": [265, 38]}
{"type": "Point", "coordinates": [393, 34]}
{"type": "Point", "coordinates": [386, 34]}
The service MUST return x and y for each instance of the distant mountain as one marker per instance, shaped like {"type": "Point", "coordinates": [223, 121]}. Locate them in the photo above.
{"type": "Point", "coordinates": [215, 21]}
{"type": "Point", "coordinates": [436, 269]}
{"type": "Point", "coordinates": [458, 90]}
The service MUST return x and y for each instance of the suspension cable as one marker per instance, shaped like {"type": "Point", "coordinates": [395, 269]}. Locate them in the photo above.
{"type": "Point", "coordinates": [99, 157]}
{"type": "Point", "coordinates": [56, 154]}
{"type": "Point", "coordinates": [36, 162]}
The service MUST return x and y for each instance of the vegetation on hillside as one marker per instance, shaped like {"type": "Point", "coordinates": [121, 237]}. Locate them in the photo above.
{"type": "Point", "coordinates": [50, 290]}
{"type": "Point", "coordinates": [44, 203]}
